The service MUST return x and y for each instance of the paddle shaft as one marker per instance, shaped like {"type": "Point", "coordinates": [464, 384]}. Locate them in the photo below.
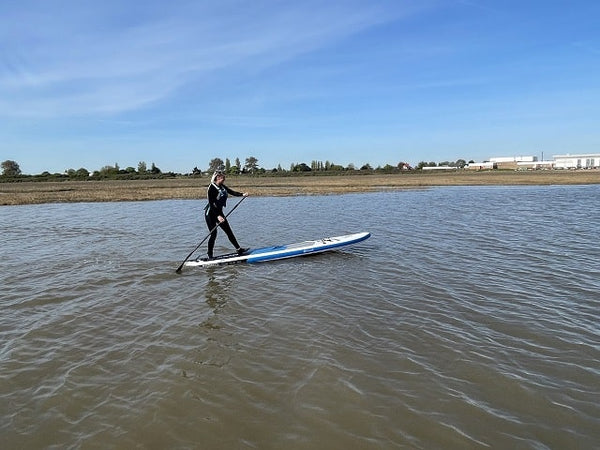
{"type": "Point", "coordinates": [207, 236]}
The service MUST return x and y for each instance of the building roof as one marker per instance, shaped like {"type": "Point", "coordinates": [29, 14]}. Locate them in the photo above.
{"type": "Point", "coordinates": [578, 155]}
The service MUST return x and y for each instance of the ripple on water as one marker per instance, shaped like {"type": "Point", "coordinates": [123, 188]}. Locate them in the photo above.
{"type": "Point", "coordinates": [468, 319]}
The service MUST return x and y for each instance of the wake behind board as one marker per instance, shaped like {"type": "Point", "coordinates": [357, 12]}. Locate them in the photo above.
{"type": "Point", "coordinates": [282, 251]}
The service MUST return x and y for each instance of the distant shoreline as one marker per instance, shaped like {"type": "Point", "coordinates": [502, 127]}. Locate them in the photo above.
{"type": "Point", "coordinates": [29, 192]}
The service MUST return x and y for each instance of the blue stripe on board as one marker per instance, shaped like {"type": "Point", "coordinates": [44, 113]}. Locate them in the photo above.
{"type": "Point", "coordinates": [299, 252]}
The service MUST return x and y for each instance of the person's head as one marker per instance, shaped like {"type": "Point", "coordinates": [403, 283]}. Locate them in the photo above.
{"type": "Point", "coordinates": [218, 177]}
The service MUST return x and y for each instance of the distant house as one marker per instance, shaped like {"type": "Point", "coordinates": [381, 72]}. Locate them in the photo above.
{"type": "Point", "coordinates": [577, 161]}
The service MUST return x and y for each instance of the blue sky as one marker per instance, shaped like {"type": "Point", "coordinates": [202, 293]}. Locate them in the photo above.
{"type": "Point", "coordinates": [89, 84]}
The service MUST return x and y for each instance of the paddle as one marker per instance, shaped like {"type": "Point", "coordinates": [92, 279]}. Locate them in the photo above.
{"type": "Point", "coordinates": [211, 231]}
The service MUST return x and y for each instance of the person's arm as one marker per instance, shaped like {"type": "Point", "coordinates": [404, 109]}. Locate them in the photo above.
{"type": "Point", "coordinates": [235, 193]}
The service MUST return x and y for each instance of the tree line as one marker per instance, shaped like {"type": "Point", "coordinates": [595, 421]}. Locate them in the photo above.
{"type": "Point", "coordinates": [11, 170]}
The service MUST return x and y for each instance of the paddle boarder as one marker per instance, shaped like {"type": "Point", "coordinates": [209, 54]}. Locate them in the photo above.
{"type": "Point", "coordinates": [217, 193]}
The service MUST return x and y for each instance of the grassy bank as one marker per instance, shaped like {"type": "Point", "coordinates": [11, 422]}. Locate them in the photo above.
{"type": "Point", "coordinates": [194, 188]}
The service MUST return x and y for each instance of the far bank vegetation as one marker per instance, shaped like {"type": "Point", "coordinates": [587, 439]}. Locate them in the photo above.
{"type": "Point", "coordinates": [11, 171]}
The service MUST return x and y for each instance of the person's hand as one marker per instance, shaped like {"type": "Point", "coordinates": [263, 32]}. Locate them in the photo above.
{"type": "Point", "coordinates": [221, 219]}
{"type": "Point", "coordinates": [245, 194]}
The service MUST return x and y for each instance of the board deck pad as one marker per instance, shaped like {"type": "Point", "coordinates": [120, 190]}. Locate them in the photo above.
{"type": "Point", "coordinates": [282, 251]}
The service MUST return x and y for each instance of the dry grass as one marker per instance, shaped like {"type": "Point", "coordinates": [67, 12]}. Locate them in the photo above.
{"type": "Point", "coordinates": [194, 188]}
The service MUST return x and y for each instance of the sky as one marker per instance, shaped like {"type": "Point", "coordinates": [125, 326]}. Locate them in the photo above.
{"type": "Point", "coordinates": [86, 84]}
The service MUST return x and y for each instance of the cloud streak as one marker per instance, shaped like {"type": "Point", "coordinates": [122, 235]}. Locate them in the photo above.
{"type": "Point", "coordinates": [104, 60]}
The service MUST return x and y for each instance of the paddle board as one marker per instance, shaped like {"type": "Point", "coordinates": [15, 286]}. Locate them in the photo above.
{"type": "Point", "coordinates": [282, 251]}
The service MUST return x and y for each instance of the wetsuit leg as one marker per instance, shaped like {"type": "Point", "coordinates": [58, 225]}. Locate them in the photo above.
{"type": "Point", "coordinates": [227, 229]}
{"type": "Point", "coordinates": [211, 223]}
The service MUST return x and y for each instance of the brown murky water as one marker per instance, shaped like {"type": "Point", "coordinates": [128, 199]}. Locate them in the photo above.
{"type": "Point", "coordinates": [470, 319]}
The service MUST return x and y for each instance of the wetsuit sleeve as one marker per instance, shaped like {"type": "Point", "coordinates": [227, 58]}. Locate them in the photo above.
{"type": "Point", "coordinates": [232, 192]}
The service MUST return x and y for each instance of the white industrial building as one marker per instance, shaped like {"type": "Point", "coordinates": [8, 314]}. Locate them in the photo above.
{"type": "Point", "coordinates": [534, 165]}
{"type": "Point", "coordinates": [506, 162]}
{"type": "Point", "coordinates": [486, 165]}
{"type": "Point", "coordinates": [577, 161]}
{"type": "Point", "coordinates": [568, 161]}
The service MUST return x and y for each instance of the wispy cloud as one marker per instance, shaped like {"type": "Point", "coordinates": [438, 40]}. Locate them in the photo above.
{"type": "Point", "coordinates": [98, 58]}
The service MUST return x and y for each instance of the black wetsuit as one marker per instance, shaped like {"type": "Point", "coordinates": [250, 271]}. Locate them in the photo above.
{"type": "Point", "coordinates": [217, 200]}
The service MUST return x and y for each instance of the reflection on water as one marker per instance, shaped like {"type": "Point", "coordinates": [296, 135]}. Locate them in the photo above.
{"type": "Point", "coordinates": [469, 319]}
{"type": "Point", "coordinates": [218, 285]}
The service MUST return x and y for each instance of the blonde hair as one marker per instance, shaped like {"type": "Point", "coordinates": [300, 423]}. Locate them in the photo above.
{"type": "Point", "coordinates": [218, 173]}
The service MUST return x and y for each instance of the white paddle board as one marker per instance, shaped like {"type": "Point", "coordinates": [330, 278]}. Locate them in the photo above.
{"type": "Point", "coordinates": [282, 251]}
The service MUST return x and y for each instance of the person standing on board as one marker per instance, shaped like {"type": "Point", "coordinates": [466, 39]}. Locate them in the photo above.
{"type": "Point", "coordinates": [217, 194]}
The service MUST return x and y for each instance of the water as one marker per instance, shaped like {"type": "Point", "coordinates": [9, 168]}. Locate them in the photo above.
{"type": "Point", "coordinates": [470, 319]}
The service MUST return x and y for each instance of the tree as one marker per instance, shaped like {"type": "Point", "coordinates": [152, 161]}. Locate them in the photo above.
{"type": "Point", "coordinates": [302, 167]}
{"type": "Point", "coordinates": [142, 167]}
{"type": "Point", "coordinates": [366, 167]}
{"type": "Point", "coordinates": [10, 168]}
{"type": "Point", "coordinates": [227, 165]}
{"type": "Point", "coordinates": [215, 164]}
{"type": "Point", "coordinates": [251, 164]}
{"type": "Point", "coordinates": [426, 164]}
{"type": "Point", "coordinates": [109, 171]}
{"type": "Point", "coordinates": [82, 172]}
{"type": "Point", "coordinates": [155, 170]}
